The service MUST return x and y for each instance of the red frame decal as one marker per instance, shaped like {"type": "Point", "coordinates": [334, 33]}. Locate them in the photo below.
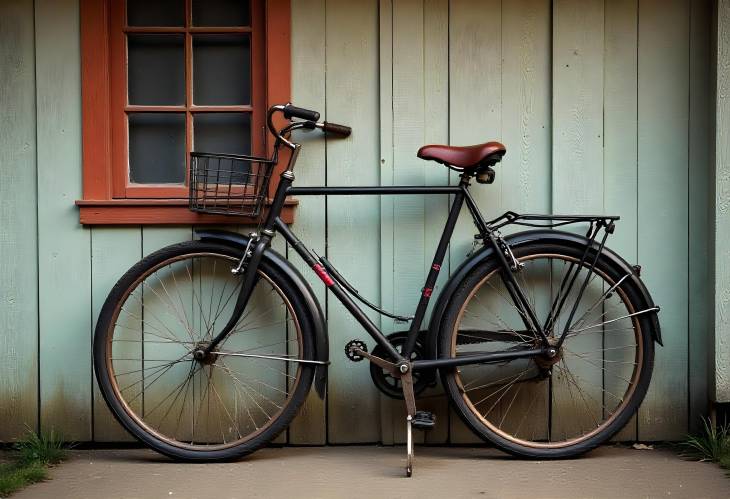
{"type": "Point", "coordinates": [322, 274]}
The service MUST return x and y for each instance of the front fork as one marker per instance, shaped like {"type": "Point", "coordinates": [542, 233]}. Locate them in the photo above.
{"type": "Point", "coordinates": [254, 252]}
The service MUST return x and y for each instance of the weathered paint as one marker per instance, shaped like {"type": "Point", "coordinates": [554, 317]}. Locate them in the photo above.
{"type": "Point", "coordinates": [64, 249]}
{"type": "Point", "coordinates": [663, 150]}
{"type": "Point", "coordinates": [603, 107]}
{"type": "Point", "coordinates": [18, 231]}
{"type": "Point", "coordinates": [721, 175]}
{"type": "Point", "coordinates": [308, 57]}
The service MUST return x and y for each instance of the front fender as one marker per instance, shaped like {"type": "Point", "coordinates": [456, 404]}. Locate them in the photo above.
{"type": "Point", "coordinates": [515, 241]}
{"type": "Point", "coordinates": [321, 343]}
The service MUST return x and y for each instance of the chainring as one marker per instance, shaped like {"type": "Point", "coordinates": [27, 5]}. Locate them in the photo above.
{"type": "Point", "coordinates": [385, 382]}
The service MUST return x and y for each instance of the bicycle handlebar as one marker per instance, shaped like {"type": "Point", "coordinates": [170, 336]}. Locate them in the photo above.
{"type": "Point", "coordinates": [289, 111]}
{"type": "Point", "coordinates": [299, 112]}
{"type": "Point", "coordinates": [335, 129]}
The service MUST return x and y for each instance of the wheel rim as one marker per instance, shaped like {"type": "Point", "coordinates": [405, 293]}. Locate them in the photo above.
{"type": "Point", "coordinates": [210, 403]}
{"type": "Point", "coordinates": [548, 403]}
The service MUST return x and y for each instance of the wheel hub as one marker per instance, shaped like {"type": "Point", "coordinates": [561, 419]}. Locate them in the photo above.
{"type": "Point", "coordinates": [201, 356]}
{"type": "Point", "coordinates": [551, 358]}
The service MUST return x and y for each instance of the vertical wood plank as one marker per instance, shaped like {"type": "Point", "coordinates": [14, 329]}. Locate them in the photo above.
{"type": "Point", "coordinates": [436, 131]}
{"type": "Point", "coordinates": [700, 187]}
{"type": "Point", "coordinates": [475, 97]}
{"type": "Point", "coordinates": [414, 71]}
{"type": "Point", "coordinates": [620, 136]}
{"type": "Point", "coordinates": [721, 388]}
{"type": "Point", "coordinates": [526, 120]}
{"type": "Point", "coordinates": [662, 191]}
{"type": "Point", "coordinates": [63, 245]}
{"type": "Point", "coordinates": [18, 223]}
{"type": "Point", "coordinates": [387, 203]}
{"type": "Point", "coordinates": [407, 108]}
{"type": "Point", "coordinates": [578, 106]}
{"type": "Point", "coordinates": [353, 231]}
{"type": "Point", "coordinates": [526, 130]}
{"type": "Point", "coordinates": [577, 184]}
{"type": "Point", "coordinates": [113, 252]}
{"type": "Point", "coordinates": [308, 90]}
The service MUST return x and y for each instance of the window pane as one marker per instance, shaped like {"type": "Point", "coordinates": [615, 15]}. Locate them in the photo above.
{"type": "Point", "coordinates": [156, 69]}
{"type": "Point", "coordinates": [157, 148]}
{"type": "Point", "coordinates": [156, 13]}
{"type": "Point", "coordinates": [228, 133]}
{"type": "Point", "coordinates": [221, 70]}
{"type": "Point", "coordinates": [221, 13]}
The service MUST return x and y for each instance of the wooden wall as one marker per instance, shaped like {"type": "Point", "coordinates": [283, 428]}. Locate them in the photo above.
{"type": "Point", "coordinates": [604, 107]}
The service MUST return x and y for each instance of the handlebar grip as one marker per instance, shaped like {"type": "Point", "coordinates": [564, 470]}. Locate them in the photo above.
{"type": "Point", "coordinates": [298, 112]}
{"type": "Point", "coordinates": [335, 129]}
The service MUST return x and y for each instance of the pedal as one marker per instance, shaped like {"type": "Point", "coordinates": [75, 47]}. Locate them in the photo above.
{"type": "Point", "coordinates": [424, 420]}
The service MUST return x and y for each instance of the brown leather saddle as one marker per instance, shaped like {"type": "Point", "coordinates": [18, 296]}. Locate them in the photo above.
{"type": "Point", "coordinates": [467, 158]}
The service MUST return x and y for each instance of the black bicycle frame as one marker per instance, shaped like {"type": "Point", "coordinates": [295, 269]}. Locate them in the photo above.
{"type": "Point", "coordinates": [273, 223]}
{"type": "Point", "coordinates": [461, 195]}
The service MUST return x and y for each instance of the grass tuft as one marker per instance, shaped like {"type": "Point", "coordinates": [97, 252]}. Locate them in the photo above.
{"type": "Point", "coordinates": [43, 448]}
{"type": "Point", "coordinates": [712, 445]}
{"type": "Point", "coordinates": [30, 461]}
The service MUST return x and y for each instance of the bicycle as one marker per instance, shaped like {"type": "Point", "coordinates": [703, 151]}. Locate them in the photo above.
{"type": "Point", "coordinates": [543, 339]}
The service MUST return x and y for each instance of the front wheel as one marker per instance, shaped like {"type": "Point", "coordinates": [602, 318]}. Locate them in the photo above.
{"type": "Point", "coordinates": [549, 407]}
{"type": "Point", "coordinates": [158, 318]}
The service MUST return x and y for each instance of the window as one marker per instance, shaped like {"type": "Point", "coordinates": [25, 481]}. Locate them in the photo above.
{"type": "Point", "coordinates": [163, 78]}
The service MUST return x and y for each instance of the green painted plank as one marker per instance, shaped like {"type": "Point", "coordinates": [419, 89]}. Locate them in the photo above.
{"type": "Point", "coordinates": [475, 116]}
{"type": "Point", "coordinates": [308, 73]}
{"type": "Point", "coordinates": [18, 229]}
{"type": "Point", "coordinates": [700, 188]}
{"type": "Point", "coordinates": [406, 106]}
{"type": "Point", "coordinates": [577, 182]}
{"type": "Point", "coordinates": [353, 243]}
{"type": "Point", "coordinates": [416, 105]}
{"type": "Point", "coordinates": [475, 96]}
{"type": "Point", "coordinates": [721, 388]}
{"type": "Point", "coordinates": [526, 169]}
{"type": "Point", "coordinates": [436, 131]}
{"type": "Point", "coordinates": [620, 137]}
{"type": "Point", "coordinates": [663, 204]}
{"type": "Point", "coordinates": [113, 251]}
{"type": "Point", "coordinates": [387, 203]}
{"type": "Point", "coordinates": [154, 238]}
{"type": "Point", "coordinates": [526, 120]}
{"type": "Point", "coordinates": [63, 245]}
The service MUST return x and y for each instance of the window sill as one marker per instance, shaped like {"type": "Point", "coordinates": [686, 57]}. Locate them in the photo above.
{"type": "Point", "coordinates": [160, 212]}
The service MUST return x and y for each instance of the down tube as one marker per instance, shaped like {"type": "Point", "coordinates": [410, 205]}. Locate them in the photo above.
{"type": "Point", "coordinates": [336, 289]}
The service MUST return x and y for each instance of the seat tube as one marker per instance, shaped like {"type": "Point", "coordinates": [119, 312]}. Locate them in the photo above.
{"type": "Point", "coordinates": [433, 273]}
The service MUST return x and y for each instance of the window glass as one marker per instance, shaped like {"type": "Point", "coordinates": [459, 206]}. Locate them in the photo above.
{"type": "Point", "coordinates": [221, 69]}
{"type": "Point", "coordinates": [221, 13]}
{"type": "Point", "coordinates": [156, 13]}
{"type": "Point", "coordinates": [228, 133]}
{"type": "Point", "coordinates": [156, 69]}
{"type": "Point", "coordinates": [156, 148]}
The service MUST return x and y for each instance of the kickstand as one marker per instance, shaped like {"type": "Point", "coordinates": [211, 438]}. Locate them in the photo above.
{"type": "Point", "coordinates": [410, 398]}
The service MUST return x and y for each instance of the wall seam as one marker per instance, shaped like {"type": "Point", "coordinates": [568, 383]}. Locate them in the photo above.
{"type": "Point", "coordinates": [37, 231]}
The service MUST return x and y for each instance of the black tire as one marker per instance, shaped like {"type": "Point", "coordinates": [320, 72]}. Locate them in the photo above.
{"type": "Point", "coordinates": [500, 420]}
{"type": "Point", "coordinates": [293, 390]}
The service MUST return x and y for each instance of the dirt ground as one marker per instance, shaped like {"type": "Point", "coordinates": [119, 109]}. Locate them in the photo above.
{"type": "Point", "coordinates": [377, 472]}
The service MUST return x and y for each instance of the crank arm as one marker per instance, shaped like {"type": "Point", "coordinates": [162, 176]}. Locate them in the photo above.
{"type": "Point", "coordinates": [388, 366]}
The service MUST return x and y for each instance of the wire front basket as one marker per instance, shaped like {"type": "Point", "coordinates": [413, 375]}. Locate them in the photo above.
{"type": "Point", "coordinates": [228, 184]}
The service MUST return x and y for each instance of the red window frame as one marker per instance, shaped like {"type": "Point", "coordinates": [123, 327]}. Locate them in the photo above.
{"type": "Point", "coordinates": [108, 197]}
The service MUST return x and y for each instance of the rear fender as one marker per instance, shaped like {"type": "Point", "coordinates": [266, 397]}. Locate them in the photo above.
{"type": "Point", "coordinates": [515, 241]}
{"type": "Point", "coordinates": [273, 258]}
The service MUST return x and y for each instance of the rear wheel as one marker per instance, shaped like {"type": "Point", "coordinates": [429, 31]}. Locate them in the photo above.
{"type": "Point", "coordinates": [153, 327]}
{"type": "Point", "coordinates": [549, 407]}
